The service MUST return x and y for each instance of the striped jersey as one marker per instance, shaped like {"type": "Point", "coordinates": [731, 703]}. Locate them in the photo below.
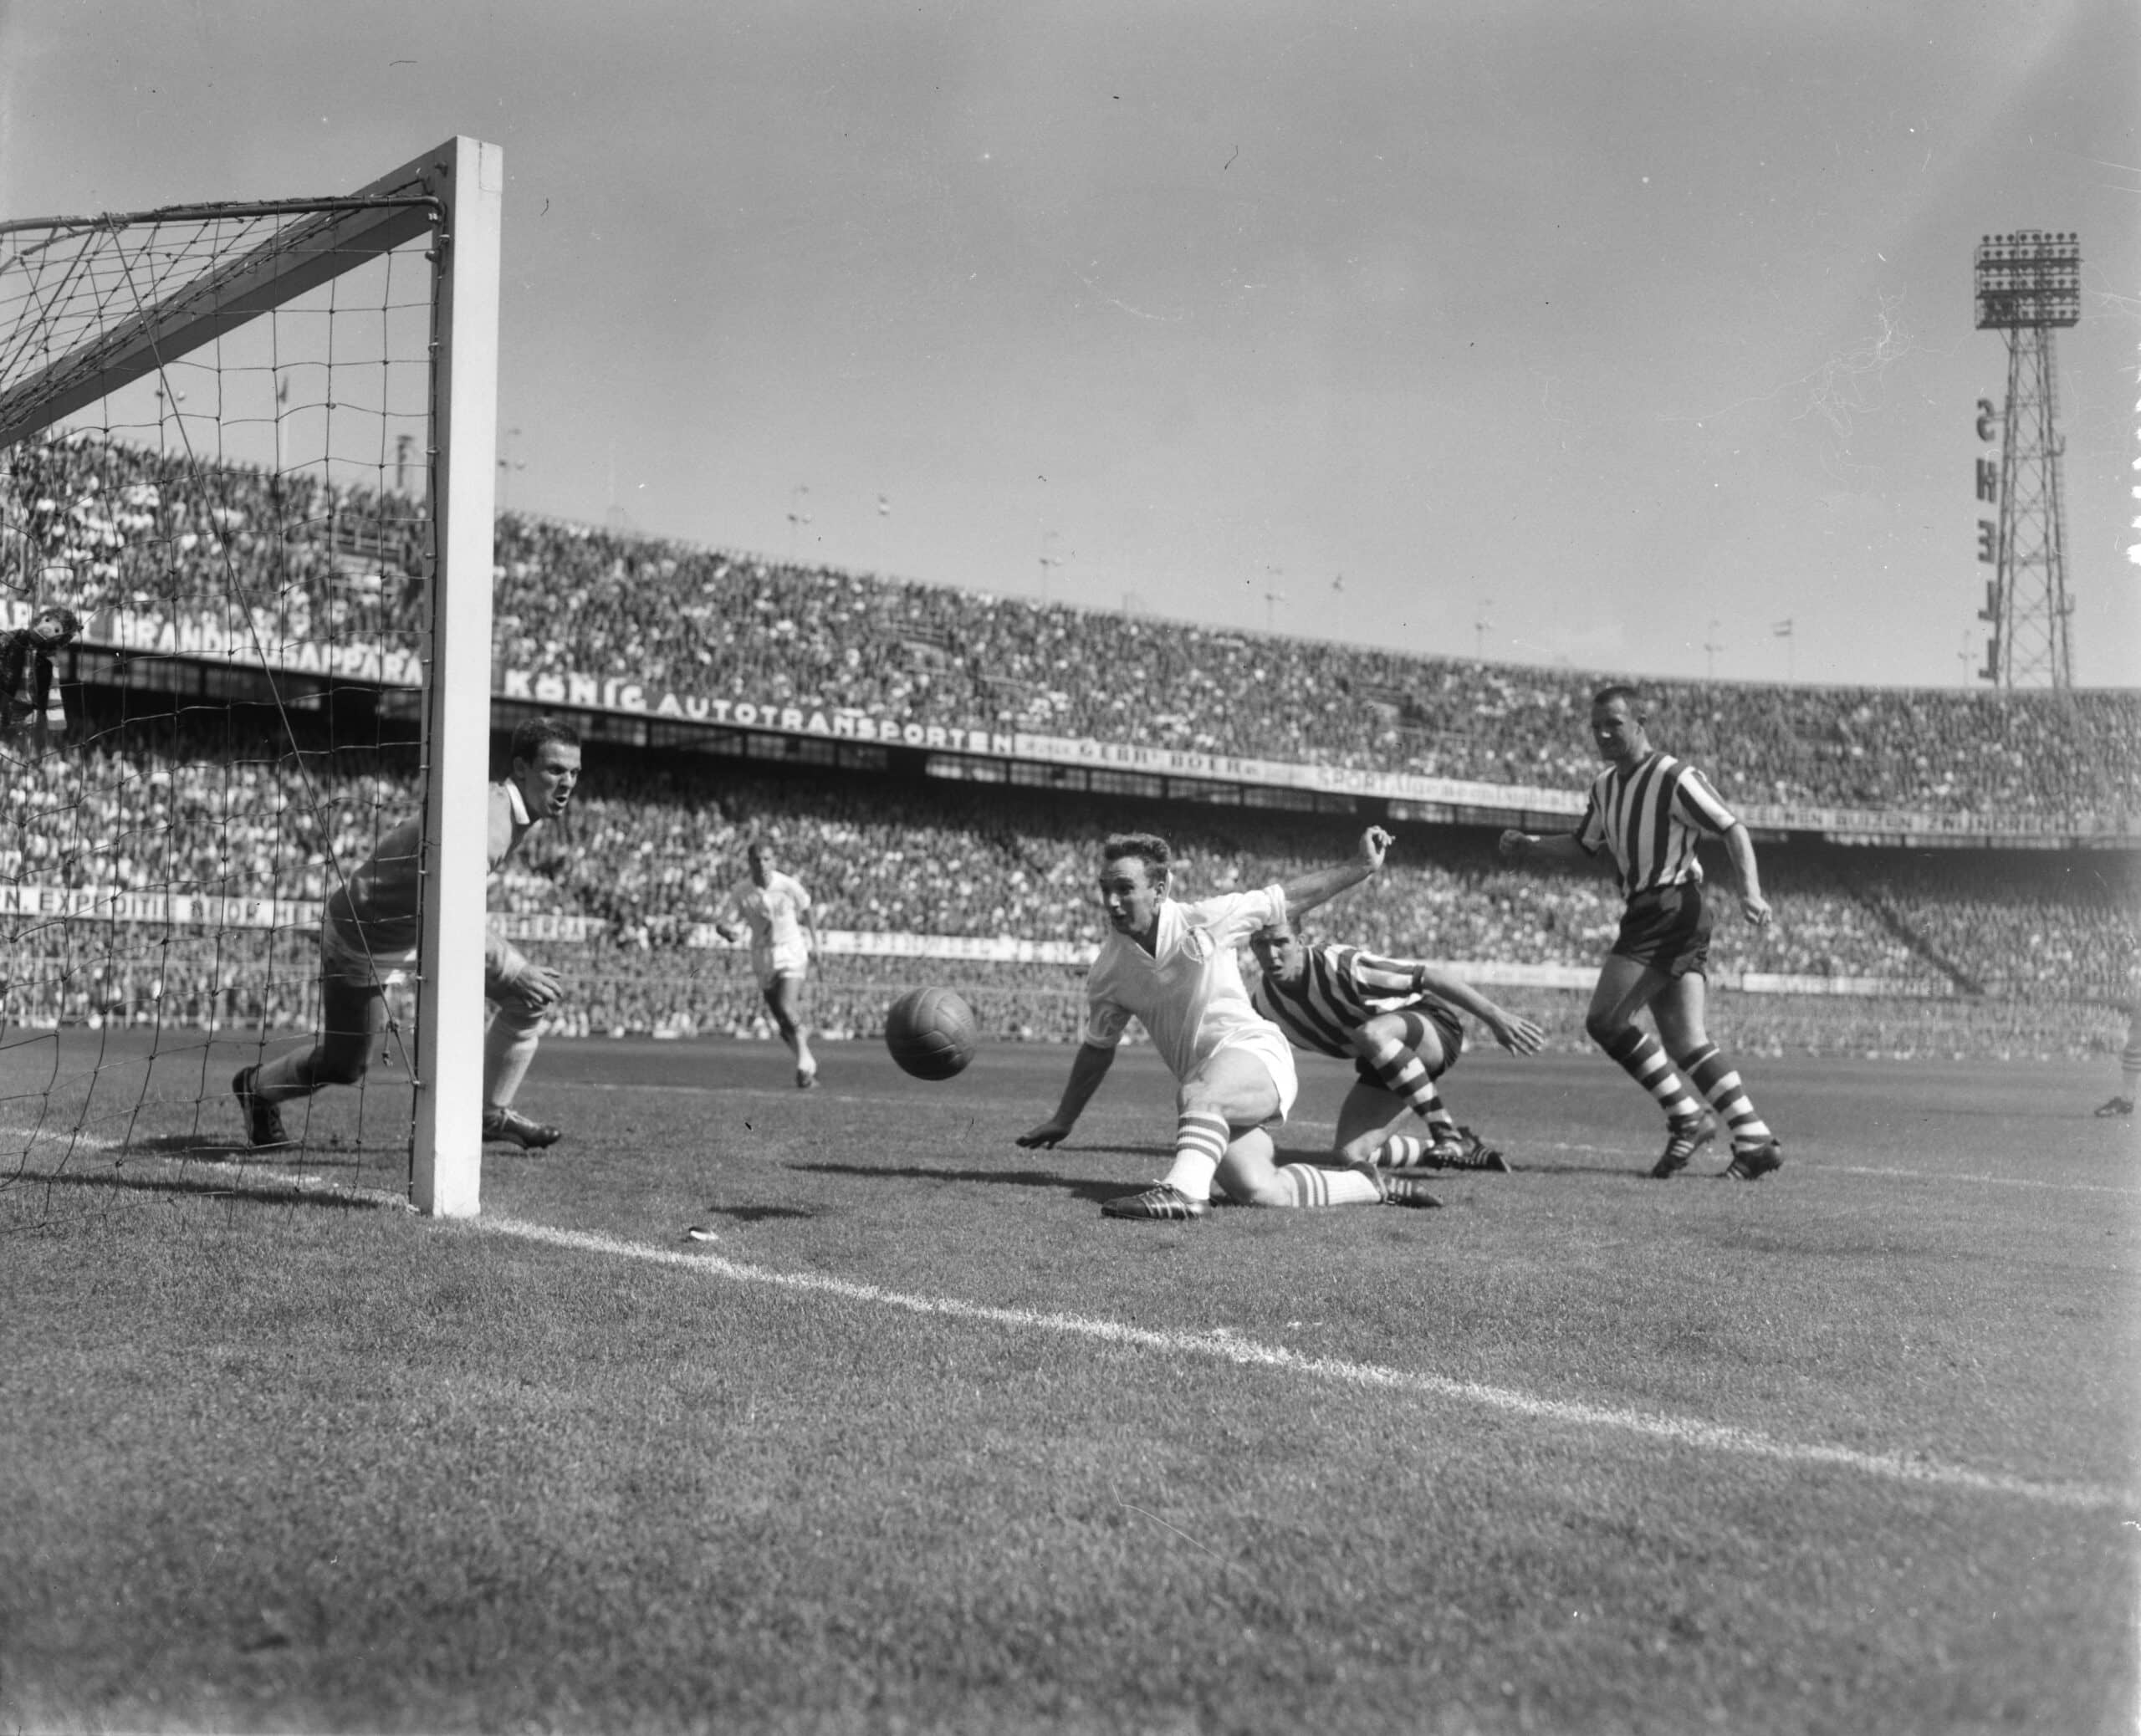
{"type": "Point", "coordinates": [1651, 815]}
{"type": "Point", "coordinates": [1342, 988]}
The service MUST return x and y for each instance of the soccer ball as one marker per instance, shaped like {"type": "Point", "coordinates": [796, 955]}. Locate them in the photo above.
{"type": "Point", "coordinates": [930, 1033]}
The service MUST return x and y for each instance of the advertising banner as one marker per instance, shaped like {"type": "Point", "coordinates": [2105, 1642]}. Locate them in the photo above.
{"type": "Point", "coordinates": [257, 639]}
{"type": "Point", "coordinates": [647, 699]}
{"type": "Point", "coordinates": [261, 638]}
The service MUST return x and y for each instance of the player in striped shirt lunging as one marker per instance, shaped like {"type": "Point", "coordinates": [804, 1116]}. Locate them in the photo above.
{"type": "Point", "coordinates": [1396, 1020]}
{"type": "Point", "coordinates": [1649, 810]}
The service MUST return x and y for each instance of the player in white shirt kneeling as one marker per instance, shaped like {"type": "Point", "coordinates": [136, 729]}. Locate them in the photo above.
{"type": "Point", "coordinates": [1172, 967]}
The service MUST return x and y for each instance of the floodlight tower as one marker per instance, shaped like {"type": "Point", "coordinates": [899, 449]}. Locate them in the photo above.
{"type": "Point", "coordinates": [2028, 283]}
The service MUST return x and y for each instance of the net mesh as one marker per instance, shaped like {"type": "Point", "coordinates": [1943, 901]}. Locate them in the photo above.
{"type": "Point", "coordinates": [219, 429]}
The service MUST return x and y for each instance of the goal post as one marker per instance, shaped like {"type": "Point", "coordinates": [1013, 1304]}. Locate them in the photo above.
{"type": "Point", "coordinates": [447, 1162]}
{"type": "Point", "coordinates": [252, 544]}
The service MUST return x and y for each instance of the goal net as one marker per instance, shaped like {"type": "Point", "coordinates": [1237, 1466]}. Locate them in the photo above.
{"type": "Point", "coordinates": [245, 480]}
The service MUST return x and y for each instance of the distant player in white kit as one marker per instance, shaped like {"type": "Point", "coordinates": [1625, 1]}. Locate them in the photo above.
{"type": "Point", "coordinates": [774, 909]}
{"type": "Point", "coordinates": [1172, 967]}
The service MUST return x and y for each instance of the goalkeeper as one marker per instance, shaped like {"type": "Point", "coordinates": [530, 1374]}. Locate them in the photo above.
{"type": "Point", "coordinates": [368, 941]}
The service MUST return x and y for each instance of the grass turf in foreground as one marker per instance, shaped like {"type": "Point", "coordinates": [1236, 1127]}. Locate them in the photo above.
{"type": "Point", "coordinates": [271, 1465]}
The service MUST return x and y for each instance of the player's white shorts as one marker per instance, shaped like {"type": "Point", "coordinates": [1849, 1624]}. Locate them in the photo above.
{"type": "Point", "coordinates": [788, 959]}
{"type": "Point", "coordinates": [344, 958]}
{"type": "Point", "coordinates": [1277, 1056]}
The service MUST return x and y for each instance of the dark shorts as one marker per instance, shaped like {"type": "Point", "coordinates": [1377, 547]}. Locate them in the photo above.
{"type": "Point", "coordinates": [1448, 1031]}
{"type": "Point", "coordinates": [1667, 929]}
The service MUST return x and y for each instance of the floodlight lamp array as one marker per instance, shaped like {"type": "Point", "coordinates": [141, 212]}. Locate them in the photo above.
{"type": "Point", "coordinates": [2028, 279]}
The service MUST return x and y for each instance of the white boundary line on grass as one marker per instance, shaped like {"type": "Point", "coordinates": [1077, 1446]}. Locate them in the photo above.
{"type": "Point", "coordinates": [1224, 1346]}
{"type": "Point", "coordinates": [297, 1181]}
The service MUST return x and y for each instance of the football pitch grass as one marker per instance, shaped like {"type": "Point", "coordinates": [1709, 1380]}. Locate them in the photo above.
{"type": "Point", "coordinates": [918, 1440]}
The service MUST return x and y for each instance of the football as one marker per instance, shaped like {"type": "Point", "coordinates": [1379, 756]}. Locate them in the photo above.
{"type": "Point", "coordinates": [930, 1033]}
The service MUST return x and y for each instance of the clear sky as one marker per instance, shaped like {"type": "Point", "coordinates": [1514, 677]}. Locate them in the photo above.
{"type": "Point", "coordinates": [1613, 335]}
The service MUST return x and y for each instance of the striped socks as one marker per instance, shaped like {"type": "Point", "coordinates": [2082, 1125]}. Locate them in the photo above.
{"type": "Point", "coordinates": [1310, 1185]}
{"type": "Point", "coordinates": [1200, 1141]}
{"type": "Point", "coordinates": [1641, 1057]}
{"type": "Point", "coordinates": [1400, 1072]}
{"type": "Point", "coordinates": [1717, 1081]}
{"type": "Point", "coordinates": [1402, 1151]}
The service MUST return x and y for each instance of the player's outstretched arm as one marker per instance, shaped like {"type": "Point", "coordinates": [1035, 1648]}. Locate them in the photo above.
{"type": "Point", "coordinates": [1520, 1036]}
{"type": "Point", "coordinates": [1312, 890]}
{"type": "Point", "coordinates": [1739, 850]}
{"type": "Point", "coordinates": [1517, 846]}
{"type": "Point", "coordinates": [1087, 1069]}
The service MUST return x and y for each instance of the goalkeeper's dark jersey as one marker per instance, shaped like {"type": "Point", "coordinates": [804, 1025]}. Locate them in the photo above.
{"type": "Point", "coordinates": [375, 909]}
{"type": "Point", "coordinates": [1341, 990]}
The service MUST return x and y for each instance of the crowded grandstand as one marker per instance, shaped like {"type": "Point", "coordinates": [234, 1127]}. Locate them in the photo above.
{"type": "Point", "coordinates": [1952, 871]}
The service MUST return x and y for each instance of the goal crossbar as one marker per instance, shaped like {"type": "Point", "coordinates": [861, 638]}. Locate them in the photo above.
{"type": "Point", "coordinates": [334, 235]}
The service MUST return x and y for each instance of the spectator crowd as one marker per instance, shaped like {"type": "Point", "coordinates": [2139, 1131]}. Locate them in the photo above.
{"type": "Point", "coordinates": [653, 847]}
{"type": "Point", "coordinates": [287, 557]}
{"type": "Point", "coordinates": [818, 639]}
{"type": "Point", "coordinates": [101, 525]}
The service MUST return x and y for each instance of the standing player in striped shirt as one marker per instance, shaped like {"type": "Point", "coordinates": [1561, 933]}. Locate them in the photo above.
{"type": "Point", "coordinates": [1649, 810]}
{"type": "Point", "coordinates": [1396, 1020]}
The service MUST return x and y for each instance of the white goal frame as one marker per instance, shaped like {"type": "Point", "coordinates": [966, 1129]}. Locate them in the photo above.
{"type": "Point", "coordinates": [456, 194]}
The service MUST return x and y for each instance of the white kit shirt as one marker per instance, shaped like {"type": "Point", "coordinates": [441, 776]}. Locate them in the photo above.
{"type": "Point", "coordinates": [775, 914]}
{"type": "Point", "coordinates": [1187, 992]}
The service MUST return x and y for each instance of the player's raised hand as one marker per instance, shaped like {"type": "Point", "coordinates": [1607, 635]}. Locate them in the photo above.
{"type": "Point", "coordinates": [1050, 1134]}
{"type": "Point", "coordinates": [1374, 843]}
